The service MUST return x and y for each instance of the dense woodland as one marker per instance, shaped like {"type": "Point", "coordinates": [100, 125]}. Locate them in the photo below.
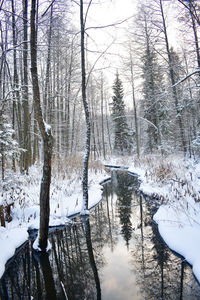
{"type": "Point", "coordinates": [47, 77]}
{"type": "Point", "coordinates": [161, 116]}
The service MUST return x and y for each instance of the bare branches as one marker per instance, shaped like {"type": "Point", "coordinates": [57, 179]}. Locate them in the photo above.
{"type": "Point", "coordinates": [109, 25]}
{"type": "Point", "coordinates": [48, 8]}
{"type": "Point", "coordinates": [186, 77]}
{"type": "Point", "coordinates": [102, 53]}
{"type": "Point", "coordinates": [191, 9]}
{"type": "Point", "coordinates": [1, 4]}
{"type": "Point", "coordinates": [86, 14]}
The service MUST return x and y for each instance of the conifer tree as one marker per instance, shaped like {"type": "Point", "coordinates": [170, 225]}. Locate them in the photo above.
{"type": "Point", "coordinates": [122, 140]}
{"type": "Point", "coordinates": [152, 105]}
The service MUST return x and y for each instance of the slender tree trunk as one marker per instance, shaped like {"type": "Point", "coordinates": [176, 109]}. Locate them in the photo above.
{"type": "Point", "coordinates": [47, 140]}
{"type": "Point", "coordinates": [16, 105]}
{"type": "Point", "coordinates": [68, 97]}
{"type": "Point", "coordinates": [48, 64]}
{"type": "Point", "coordinates": [87, 114]}
{"type": "Point", "coordinates": [108, 130]}
{"type": "Point", "coordinates": [102, 119]}
{"type": "Point", "coordinates": [195, 36]}
{"type": "Point", "coordinates": [174, 91]}
{"type": "Point", "coordinates": [27, 137]}
{"type": "Point", "coordinates": [58, 98]}
{"type": "Point", "coordinates": [2, 218]}
{"type": "Point", "coordinates": [91, 257]}
{"type": "Point", "coordinates": [134, 108]}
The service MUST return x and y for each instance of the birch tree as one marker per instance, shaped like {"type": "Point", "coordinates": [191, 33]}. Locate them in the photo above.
{"type": "Point", "coordinates": [86, 110]}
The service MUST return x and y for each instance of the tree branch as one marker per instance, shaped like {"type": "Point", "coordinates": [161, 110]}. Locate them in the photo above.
{"type": "Point", "coordinates": [48, 8]}
{"type": "Point", "coordinates": [186, 77]}
{"type": "Point", "coordinates": [109, 25]}
{"type": "Point", "coordinates": [192, 11]}
{"type": "Point", "coordinates": [97, 61]}
{"type": "Point", "coordinates": [86, 14]}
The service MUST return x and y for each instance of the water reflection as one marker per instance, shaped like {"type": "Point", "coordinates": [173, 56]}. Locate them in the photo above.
{"type": "Point", "coordinates": [86, 223]}
{"type": "Point", "coordinates": [115, 254]}
{"type": "Point", "coordinates": [49, 284]}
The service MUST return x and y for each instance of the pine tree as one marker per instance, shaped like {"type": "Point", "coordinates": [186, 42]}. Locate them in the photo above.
{"type": "Point", "coordinates": [151, 104]}
{"type": "Point", "coordinates": [122, 141]}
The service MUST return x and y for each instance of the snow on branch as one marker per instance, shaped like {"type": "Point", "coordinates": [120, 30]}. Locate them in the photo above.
{"type": "Point", "coordinates": [186, 77]}
{"type": "Point", "coordinates": [47, 127]}
{"type": "Point", "coordinates": [149, 122]}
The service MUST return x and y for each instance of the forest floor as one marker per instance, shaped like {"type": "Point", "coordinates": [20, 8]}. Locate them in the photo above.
{"type": "Point", "coordinates": [174, 180]}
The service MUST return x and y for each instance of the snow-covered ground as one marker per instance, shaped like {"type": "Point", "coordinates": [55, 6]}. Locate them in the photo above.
{"type": "Point", "coordinates": [176, 181]}
{"type": "Point", "coordinates": [66, 200]}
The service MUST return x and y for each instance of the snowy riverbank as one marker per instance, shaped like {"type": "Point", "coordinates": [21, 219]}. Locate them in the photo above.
{"type": "Point", "coordinates": [66, 200]}
{"type": "Point", "coordinates": [176, 181]}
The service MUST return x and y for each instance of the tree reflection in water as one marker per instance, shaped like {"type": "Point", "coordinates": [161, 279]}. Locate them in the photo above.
{"type": "Point", "coordinates": [123, 190]}
{"type": "Point", "coordinates": [86, 223]}
{"type": "Point", "coordinates": [89, 259]}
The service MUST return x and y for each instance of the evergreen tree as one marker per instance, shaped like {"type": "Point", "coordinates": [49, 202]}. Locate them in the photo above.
{"type": "Point", "coordinates": [151, 103]}
{"type": "Point", "coordinates": [154, 102]}
{"type": "Point", "coordinates": [122, 141]}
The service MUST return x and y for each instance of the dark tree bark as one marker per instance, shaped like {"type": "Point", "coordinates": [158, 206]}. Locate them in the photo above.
{"type": "Point", "coordinates": [87, 113]}
{"type": "Point", "coordinates": [134, 108]}
{"type": "Point", "coordinates": [86, 223]}
{"type": "Point", "coordinates": [2, 218]}
{"type": "Point", "coordinates": [27, 138]}
{"type": "Point", "coordinates": [47, 140]}
{"type": "Point", "coordinates": [49, 283]}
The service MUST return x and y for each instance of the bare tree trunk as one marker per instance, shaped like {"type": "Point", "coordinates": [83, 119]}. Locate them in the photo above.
{"type": "Point", "coordinates": [171, 72]}
{"type": "Point", "coordinates": [35, 139]}
{"type": "Point", "coordinates": [108, 130]}
{"type": "Point", "coordinates": [87, 114]}
{"type": "Point", "coordinates": [2, 218]}
{"type": "Point", "coordinates": [47, 140]}
{"type": "Point", "coordinates": [134, 108]}
{"type": "Point", "coordinates": [91, 257]}
{"type": "Point", "coordinates": [48, 63]}
{"type": "Point", "coordinates": [102, 119]}
{"type": "Point", "coordinates": [27, 138]}
{"type": "Point", "coordinates": [16, 105]}
{"type": "Point", "coordinates": [195, 35]}
{"type": "Point", "coordinates": [68, 97]}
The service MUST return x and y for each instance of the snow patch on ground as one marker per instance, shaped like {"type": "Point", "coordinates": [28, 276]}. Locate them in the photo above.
{"type": "Point", "coordinates": [10, 240]}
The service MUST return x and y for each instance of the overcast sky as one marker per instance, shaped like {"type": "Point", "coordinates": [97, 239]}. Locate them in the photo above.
{"type": "Point", "coordinates": [107, 12]}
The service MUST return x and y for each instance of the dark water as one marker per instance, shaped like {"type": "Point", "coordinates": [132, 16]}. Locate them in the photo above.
{"type": "Point", "coordinates": [116, 254]}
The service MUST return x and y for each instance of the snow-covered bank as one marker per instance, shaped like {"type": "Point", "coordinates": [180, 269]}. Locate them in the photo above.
{"type": "Point", "coordinates": [176, 181]}
{"type": "Point", "coordinates": [66, 200]}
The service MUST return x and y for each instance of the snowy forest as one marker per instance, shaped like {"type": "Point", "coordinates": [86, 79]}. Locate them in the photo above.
{"type": "Point", "coordinates": [78, 94]}
{"type": "Point", "coordinates": [160, 78]}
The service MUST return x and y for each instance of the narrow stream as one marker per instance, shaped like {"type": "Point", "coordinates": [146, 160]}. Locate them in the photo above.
{"type": "Point", "coordinates": [116, 254]}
